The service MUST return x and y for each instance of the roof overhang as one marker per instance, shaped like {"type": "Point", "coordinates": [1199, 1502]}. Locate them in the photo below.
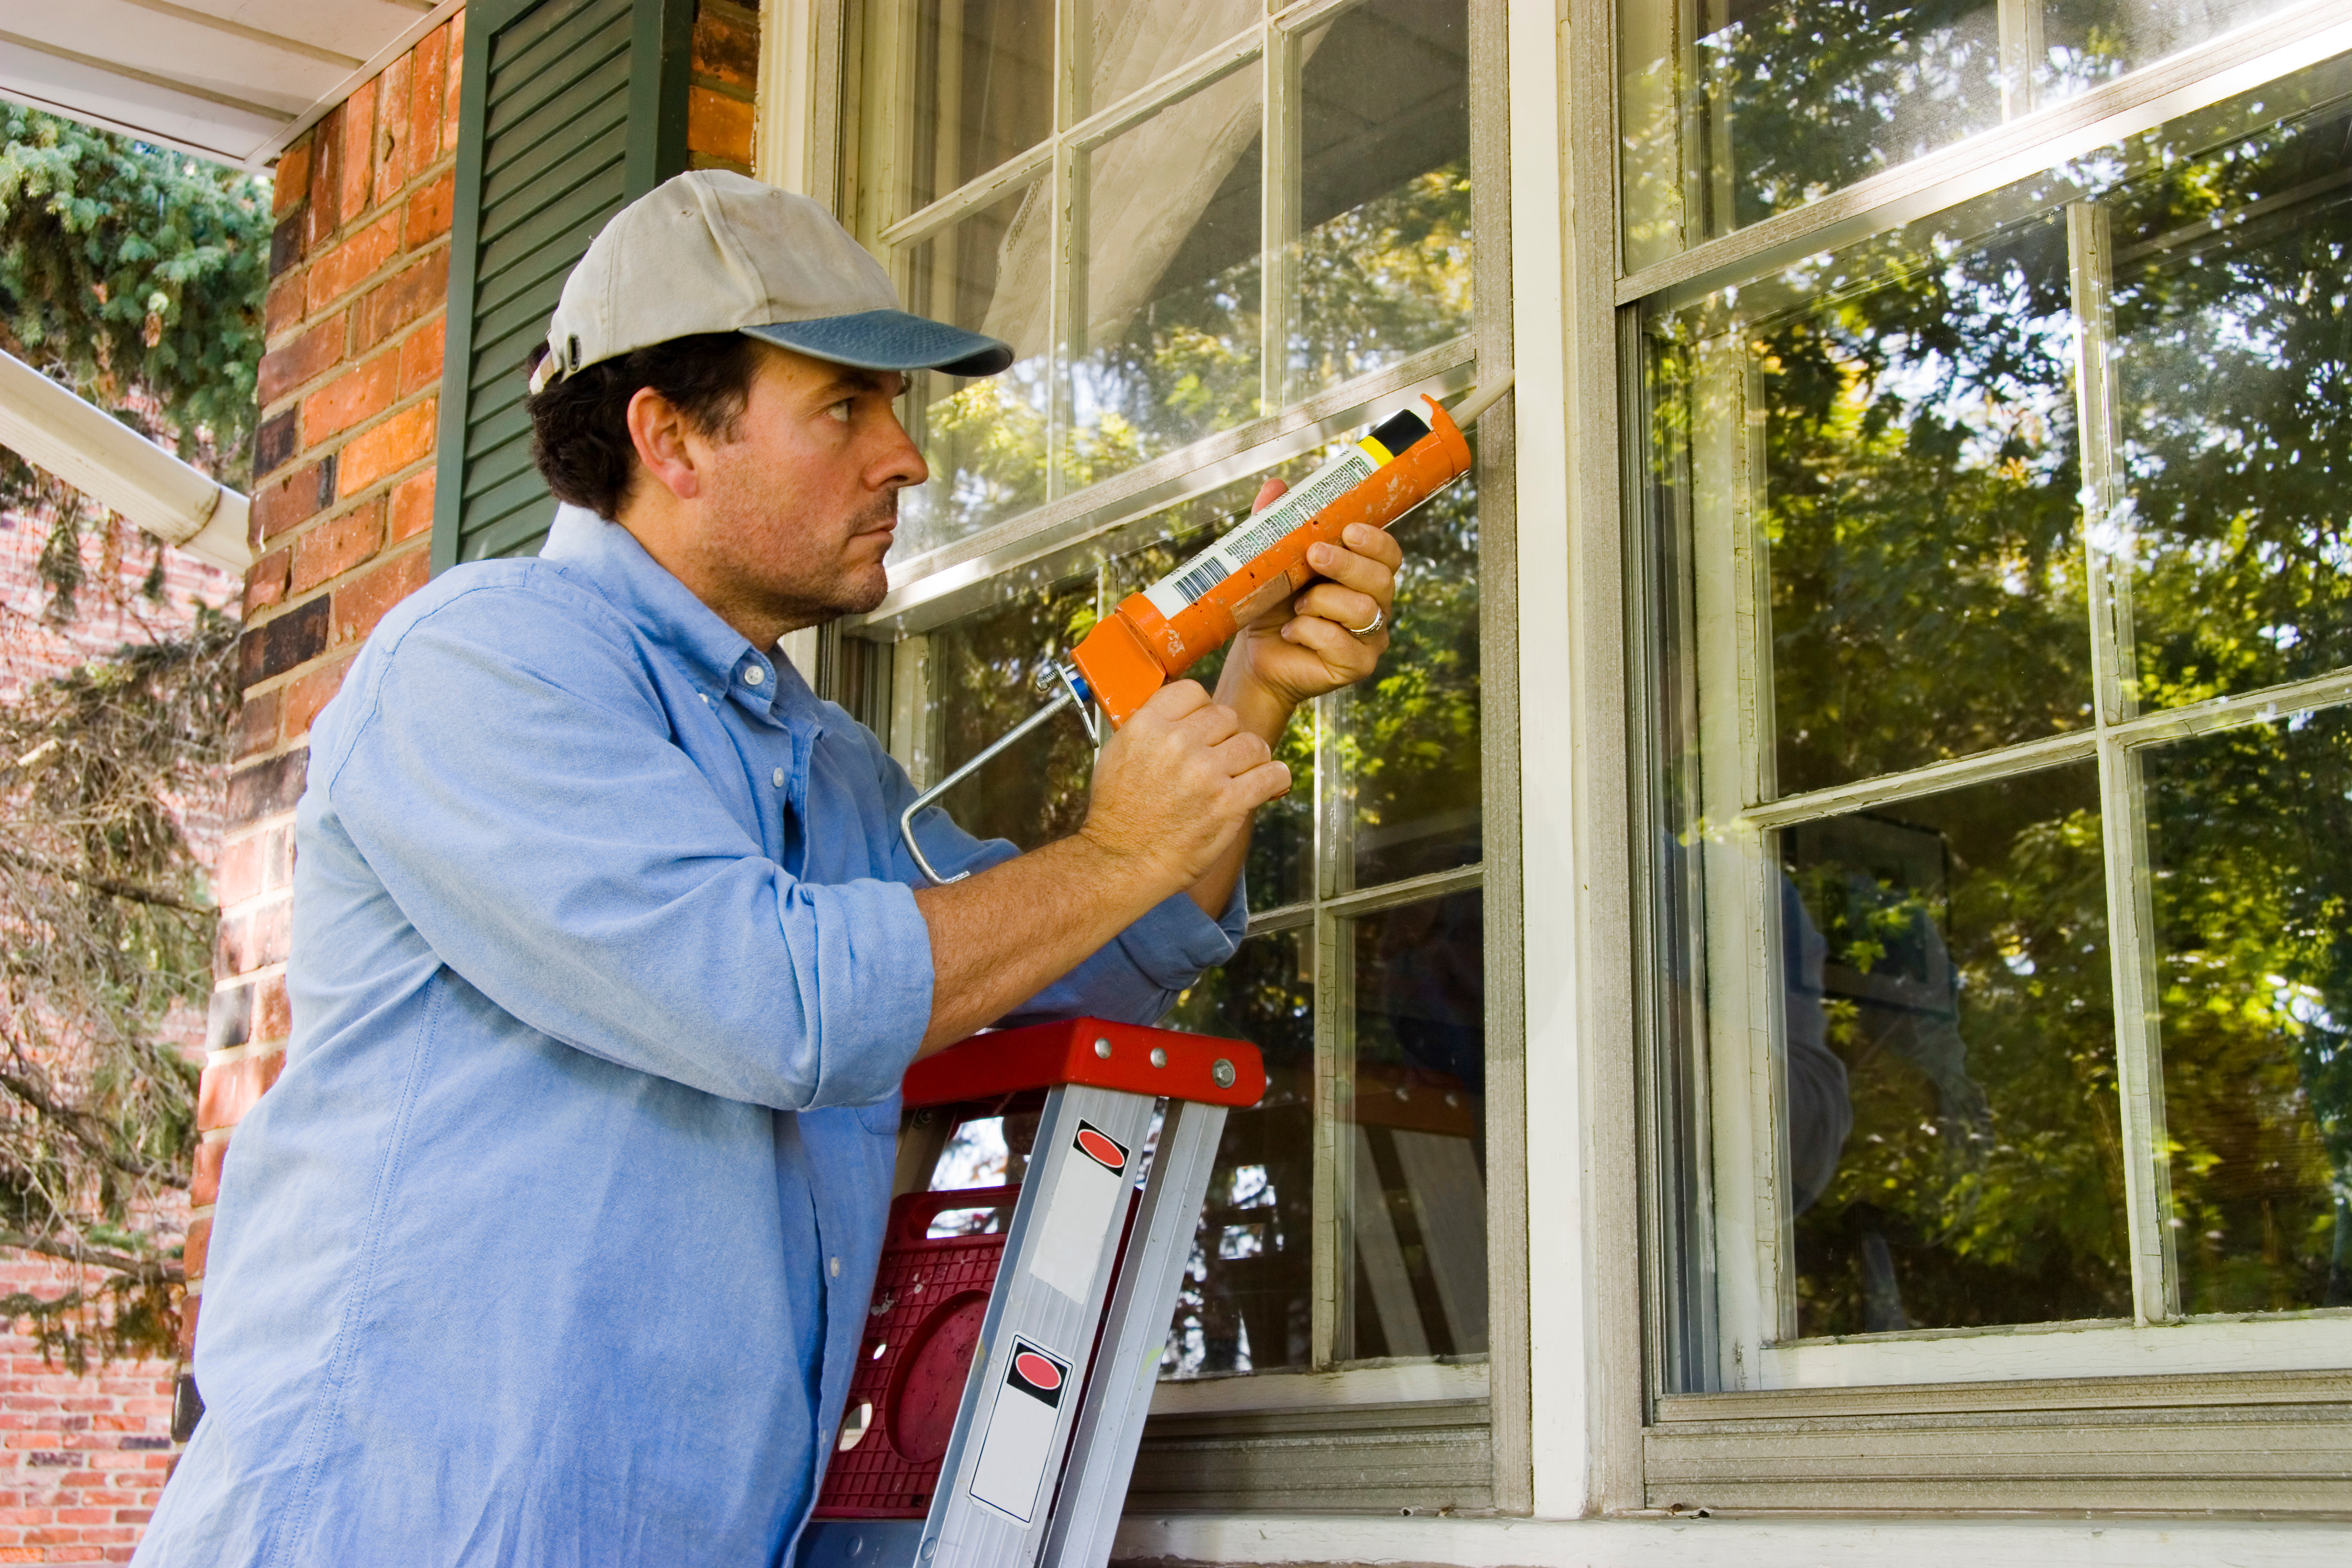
{"type": "Point", "coordinates": [234, 80]}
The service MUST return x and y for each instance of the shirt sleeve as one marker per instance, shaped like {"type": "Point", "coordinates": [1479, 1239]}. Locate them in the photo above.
{"type": "Point", "coordinates": [523, 800]}
{"type": "Point", "coordinates": [1135, 976]}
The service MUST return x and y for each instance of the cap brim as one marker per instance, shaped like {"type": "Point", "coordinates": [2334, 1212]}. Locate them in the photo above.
{"type": "Point", "coordinates": [890, 339]}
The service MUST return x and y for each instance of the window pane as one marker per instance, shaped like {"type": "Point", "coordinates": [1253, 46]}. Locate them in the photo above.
{"type": "Point", "coordinates": [1412, 1149]}
{"type": "Point", "coordinates": [1169, 350]}
{"type": "Point", "coordinates": [983, 439]}
{"type": "Point", "coordinates": [1950, 1115]}
{"type": "Point", "coordinates": [1919, 510]}
{"type": "Point", "coordinates": [1772, 104]}
{"type": "Point", "coordinates": [1408, 752]}
{"type": "Point", "coordinates": [2235, 386]}
{"type": "Point", "coordinates": [981, 669]}
{"type": "Point", "coordinates": [1246, 1301]}
{"type": "Point", "coordinates": [1383, 263]}
{"type": "Point", "coordinates": [2251, 844]}
{"type": "Point", "coordinates": [983, 90]}
{"type": "Point", "coordinates": [1133, 43]}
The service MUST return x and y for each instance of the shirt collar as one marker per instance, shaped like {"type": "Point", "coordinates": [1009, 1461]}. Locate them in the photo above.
{"type": "Point", "coordinates": [715, 653]}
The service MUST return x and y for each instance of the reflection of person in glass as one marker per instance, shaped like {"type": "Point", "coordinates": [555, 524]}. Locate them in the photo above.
{"type": "Point", "coordinates": [1906, 1003]}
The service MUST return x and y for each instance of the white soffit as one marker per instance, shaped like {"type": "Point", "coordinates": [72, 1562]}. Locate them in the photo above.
{"type": "Point", "coordinates": [234, 80]}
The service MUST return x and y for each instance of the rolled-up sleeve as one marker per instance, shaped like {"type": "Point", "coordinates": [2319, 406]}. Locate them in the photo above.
{"type": "Point", "coordinates": [581, 873]}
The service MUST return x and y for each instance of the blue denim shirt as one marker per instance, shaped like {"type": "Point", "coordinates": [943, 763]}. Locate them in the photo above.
{"type": "Point", "coordinates": [553, 1244]}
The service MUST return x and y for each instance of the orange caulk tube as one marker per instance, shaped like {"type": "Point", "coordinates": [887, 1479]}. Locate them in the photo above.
{"type": "Point", "coordinates": [1158, 634]}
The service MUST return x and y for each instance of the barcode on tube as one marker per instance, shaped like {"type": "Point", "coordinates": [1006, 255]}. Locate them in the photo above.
{"type": "Point", "coordinates": [1201, 579]}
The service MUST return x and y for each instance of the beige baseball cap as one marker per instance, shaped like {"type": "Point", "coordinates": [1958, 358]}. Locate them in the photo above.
{"type": "Point", "coordinates": [711, 251]}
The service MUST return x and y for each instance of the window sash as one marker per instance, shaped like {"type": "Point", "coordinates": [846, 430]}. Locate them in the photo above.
{"type": "Point", "coordinates": [1747, 1223]}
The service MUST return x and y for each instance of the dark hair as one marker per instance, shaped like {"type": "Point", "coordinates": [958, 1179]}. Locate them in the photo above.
{"type": "Point", "coordinates": [580, 425]}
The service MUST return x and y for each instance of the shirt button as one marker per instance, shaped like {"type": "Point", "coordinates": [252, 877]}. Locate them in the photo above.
{"type": "Point", "coordinates": [706, 698]}
{"type": "Point", "coordinates": [777, 778]}
{"type": "Point", "coordinates": [835, 1264]}
{"type": "Point", "coordinates": [753, 675]}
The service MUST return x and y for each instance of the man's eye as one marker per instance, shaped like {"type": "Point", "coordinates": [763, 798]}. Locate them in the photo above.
{"type": "Point", "coordinates": [841, 410]}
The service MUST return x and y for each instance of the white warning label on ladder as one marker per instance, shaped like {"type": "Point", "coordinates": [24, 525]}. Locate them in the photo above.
{"type": "Point", "coordinates": [1019, 1438]}
{"type": "Point", "coordinates": [1079, 1215]}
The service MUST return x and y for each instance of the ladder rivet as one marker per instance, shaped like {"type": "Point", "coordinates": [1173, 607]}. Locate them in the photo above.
{"type": "Point", "coordinates": [1221, 1073]}
{"type": "Point", "coordinates": [1158, 1057]}
{"type": "Point", "coordinates": [1102, 1049]}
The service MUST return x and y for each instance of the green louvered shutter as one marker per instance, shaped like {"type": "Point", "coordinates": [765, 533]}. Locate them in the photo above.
{"type": "Point", "coordinates": [570, 109]}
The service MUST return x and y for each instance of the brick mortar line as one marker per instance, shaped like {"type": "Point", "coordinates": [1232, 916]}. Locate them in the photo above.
{"type": "Point", "coordinates": [301, 270]}
{"type": "Point", "coordinates": [292, 400]}
{"type": "Point", "coordinates": [312, 595]}
{"type": "Point", "coordinates": [375, 490]}
{"type": "Point", "coordinates": [248, 906]}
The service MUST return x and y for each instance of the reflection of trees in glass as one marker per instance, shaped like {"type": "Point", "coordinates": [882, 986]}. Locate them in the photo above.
{"type": "Point", "coordinates": [2234, 355]}
{"type": "Point", "coordinates": [1805, 97]}
{"type": "Point", "coordinates": [1796, 99]}
{"type": "Point", "coordinates": [1383, 280]}
{"type": "Point", "coordinates": [2251, 836]}
{"type": "Point", "coordinates": [1408, 742]}
{"type": "Point", "coordinates": [1921, 513]}
{"type": "Point", "coordinates": [1966, 989]}
{"type": "Point", "coordinates": [1918, 498]}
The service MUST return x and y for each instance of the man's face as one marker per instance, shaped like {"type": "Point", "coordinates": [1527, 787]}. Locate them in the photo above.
{"type": "Point", "coordinates": [799, 510]}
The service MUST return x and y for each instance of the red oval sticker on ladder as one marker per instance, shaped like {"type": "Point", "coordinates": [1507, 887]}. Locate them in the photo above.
{"type": "Point", "coordinates": [1103, 1151]}
{"type": "Point", "coordinates": [1037, 1371]}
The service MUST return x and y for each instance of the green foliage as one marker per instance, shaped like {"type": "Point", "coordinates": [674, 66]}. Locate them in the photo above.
{"type": "Point", "coordinates": [105, 932]}
{"type": "Point", "coordinates": [135, 276]}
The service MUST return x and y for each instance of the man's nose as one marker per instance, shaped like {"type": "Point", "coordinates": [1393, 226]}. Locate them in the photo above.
{"type": "Point", "coordinates": [900, 463]}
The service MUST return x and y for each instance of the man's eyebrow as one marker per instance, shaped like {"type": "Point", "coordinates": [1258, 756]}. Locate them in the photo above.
{"type": "Point", "coordinates": [851, 381]}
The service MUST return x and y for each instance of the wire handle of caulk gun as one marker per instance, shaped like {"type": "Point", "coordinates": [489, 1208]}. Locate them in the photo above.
{"type": "Point", "coordinates": [1074, 689]}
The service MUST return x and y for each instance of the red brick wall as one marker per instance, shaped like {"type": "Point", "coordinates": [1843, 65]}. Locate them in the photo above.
{"type": "Point", "coordinates": [342, 516]}
{"type": "Point", "coordinates": [85, 1457]}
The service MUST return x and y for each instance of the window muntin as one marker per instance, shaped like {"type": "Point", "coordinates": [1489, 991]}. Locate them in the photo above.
{"type": "Point", "coordinates": [2103, 924]}
{"type": "Point", "coordinates": [1735, 110]}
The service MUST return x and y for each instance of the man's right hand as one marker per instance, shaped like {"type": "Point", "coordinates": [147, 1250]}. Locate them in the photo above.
{"type": "Point", "coordinates": [1176, 786]}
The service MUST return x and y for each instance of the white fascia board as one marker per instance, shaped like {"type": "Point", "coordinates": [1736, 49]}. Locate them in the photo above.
{"type": "Point", "coordinates": [118, 468]}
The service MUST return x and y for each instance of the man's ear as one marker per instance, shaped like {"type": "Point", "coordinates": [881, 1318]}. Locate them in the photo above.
{"type": "Point", "coordinates": [658, 431]}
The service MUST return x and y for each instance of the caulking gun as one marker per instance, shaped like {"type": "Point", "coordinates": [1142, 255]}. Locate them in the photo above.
{"type": "Point", "coordinates": [1157, 634]}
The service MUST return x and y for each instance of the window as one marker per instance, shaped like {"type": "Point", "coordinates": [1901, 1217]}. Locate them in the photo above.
{"type": "Point", "coordinates": [1219, 240]}
{"type": "Point", "coordinates": [2004, 700]}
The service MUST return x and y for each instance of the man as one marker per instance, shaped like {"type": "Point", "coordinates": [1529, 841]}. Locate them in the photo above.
{"type": "Point", "coordinates": [552, 1243]}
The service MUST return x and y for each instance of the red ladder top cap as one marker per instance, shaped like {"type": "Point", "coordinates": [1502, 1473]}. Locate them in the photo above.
{"type": "Point", "coordinates": [1044, 1054]}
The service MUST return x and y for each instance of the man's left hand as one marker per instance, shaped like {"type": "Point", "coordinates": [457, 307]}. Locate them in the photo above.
{"type": "Point", "coordinates": [1314, 642]}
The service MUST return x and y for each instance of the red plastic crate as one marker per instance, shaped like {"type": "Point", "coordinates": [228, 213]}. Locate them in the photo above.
{"type": "Point", "coordinates": [930, 1295]}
